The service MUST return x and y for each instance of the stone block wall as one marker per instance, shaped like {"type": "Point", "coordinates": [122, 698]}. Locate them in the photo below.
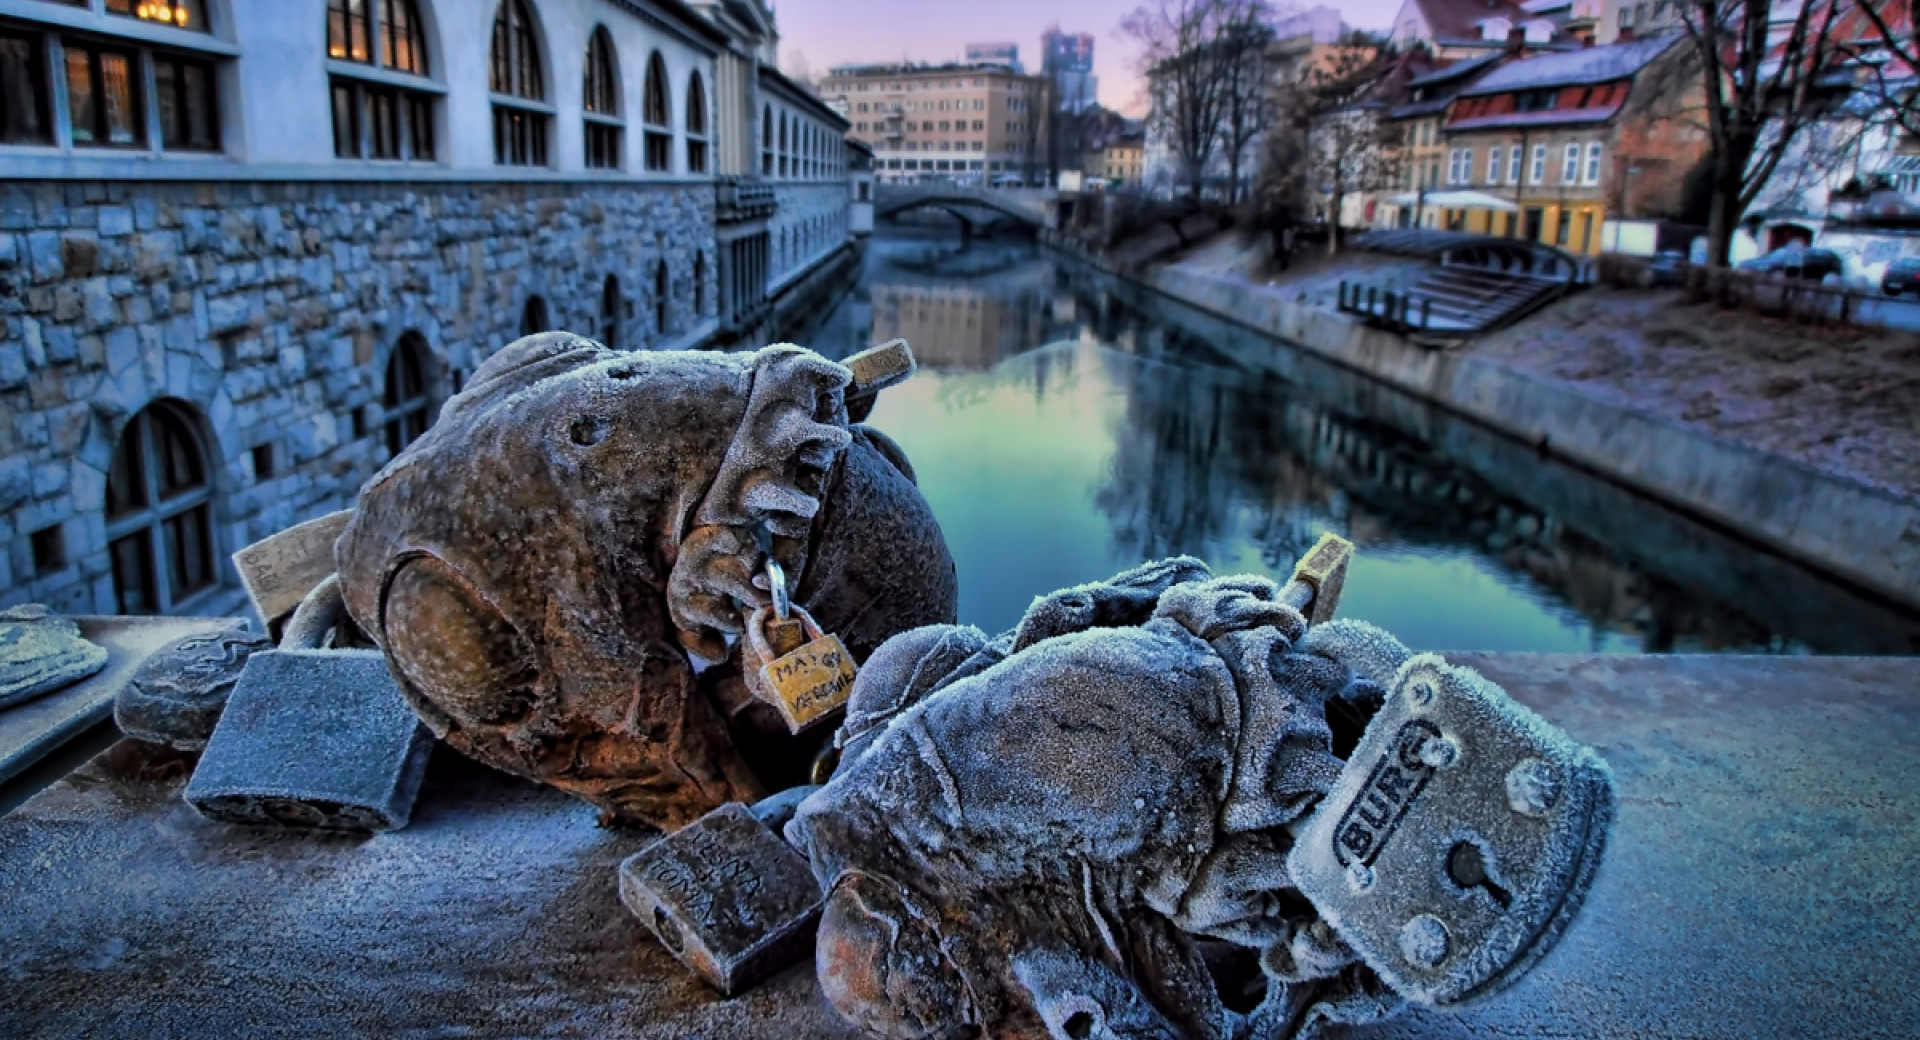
{"type": "Point", "coordinates": [269, 311]}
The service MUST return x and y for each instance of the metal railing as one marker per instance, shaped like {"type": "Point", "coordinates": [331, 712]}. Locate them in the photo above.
{"type": "Point", "coordinates": [1762, 292]}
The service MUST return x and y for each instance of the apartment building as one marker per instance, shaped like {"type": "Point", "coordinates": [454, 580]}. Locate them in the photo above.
{"type": "Point", "coordinates": [1550, 148]}
{"type": "Point", "coordinates": [977, 122]}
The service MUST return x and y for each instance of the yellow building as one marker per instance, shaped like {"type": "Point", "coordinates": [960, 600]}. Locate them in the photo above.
{"type": "Point", "coordinates": [1124, 159]}
{"type": "Point", "coordinates": [1542, 149]}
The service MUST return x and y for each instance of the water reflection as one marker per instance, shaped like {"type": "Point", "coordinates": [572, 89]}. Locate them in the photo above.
{"type": "Point", "coordinates": [1065, 427]}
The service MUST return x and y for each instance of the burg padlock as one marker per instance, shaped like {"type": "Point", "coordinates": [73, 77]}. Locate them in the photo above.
{"type": "Point", "coordinates": [790, 663]}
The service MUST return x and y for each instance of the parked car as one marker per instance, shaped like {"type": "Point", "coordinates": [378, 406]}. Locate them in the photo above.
{"type": "Point", "coordinates": [1797, 261]}
{"type": "Point", "coordinates": [1903, 275]}
{"type": "Point", "coordinates": [1667, 270]}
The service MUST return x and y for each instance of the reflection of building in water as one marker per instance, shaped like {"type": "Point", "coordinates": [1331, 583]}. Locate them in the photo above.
{"type": "Point", "coordinates": [956, 326]}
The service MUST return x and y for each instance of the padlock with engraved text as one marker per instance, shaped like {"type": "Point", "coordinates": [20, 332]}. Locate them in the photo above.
{"type": "Point", "coordinates": [804, 672]}
{"type": "Point", "coordinates": [1460, 838]}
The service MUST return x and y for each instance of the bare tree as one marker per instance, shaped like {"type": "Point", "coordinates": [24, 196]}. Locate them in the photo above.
{"type": "Point", "coordinates": [1762, 81]}
{"type": "Point", "coordinates": [1876, 39]}
{"type": "Point", "coordinates": [1243, 44]}
{"type": "Point", "coordinates": [1340, 146]}
{"type": "Point", "coordinates": [1189, 79]}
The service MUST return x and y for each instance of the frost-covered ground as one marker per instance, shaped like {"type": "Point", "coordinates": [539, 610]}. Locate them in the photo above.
{"type": "Point", "coordinates": [1845, 400]}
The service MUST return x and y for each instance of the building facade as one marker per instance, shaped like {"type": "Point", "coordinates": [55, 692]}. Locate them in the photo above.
{"type": "Point", "coordinates": [247, 252]}
{"type": "Point", "coordinates": [1067, 59]}
{"type": "Point", "coordinates": [980, 122]}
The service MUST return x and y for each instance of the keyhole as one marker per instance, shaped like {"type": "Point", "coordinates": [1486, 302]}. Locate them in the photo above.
{"type": "Point", "coordinates": [1467, 867]}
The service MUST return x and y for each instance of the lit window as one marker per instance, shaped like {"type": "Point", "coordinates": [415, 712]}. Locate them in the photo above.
{"type": "Point", "coordinates": [601, 100]}
{"type": "Point", "coordinates": [179, 14]}
{"type": "Point", "coordinates": [513, 75]}
{"type": "Point", "coordinates": [103, 99]}
{"type": "Point", "coordinates": [376, 120]}
{"type": "Point", "coordinates": [160, 536]}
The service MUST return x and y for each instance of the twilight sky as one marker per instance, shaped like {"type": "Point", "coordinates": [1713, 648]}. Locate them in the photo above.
{"type": "Point", "coordinates": [816, 35]}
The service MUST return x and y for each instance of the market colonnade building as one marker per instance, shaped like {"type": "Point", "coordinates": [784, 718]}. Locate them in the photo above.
{"type": "Point", "coordinates": [248, 247]}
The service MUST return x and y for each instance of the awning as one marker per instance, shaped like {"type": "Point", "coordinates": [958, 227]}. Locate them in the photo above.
{"type": "Point", "coordinates": [1456, 200]}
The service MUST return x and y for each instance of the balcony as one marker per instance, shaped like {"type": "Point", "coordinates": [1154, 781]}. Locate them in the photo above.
{"type": "Point", "coordinates": [736, 200]}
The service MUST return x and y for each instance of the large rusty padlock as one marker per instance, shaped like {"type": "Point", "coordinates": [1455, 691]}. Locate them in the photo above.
{"type": "Point", "coordinates": [1460, 838]}
{"type": "Point", "coordinates": [790, 663]}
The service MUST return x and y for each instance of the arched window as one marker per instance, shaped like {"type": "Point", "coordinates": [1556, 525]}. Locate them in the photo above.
{"type": "Point", "coordinates": [520, 114]}
{"type": "Point", "coordinates": [610, 312]}
{"type": "Point", "coordinates": [696, 125]}
{"type": "Point", "coordinates": [766, 141]}
{"type": "Point", "coordinates": [699, 285]}
{"type": "Point", "coordinates": [785, 148]}
{"type": "Point", "coordinates": [408, 406]}
{"type": "Point", "coordinates": [533, 316]}
{"type": "Point", "coordinates": [660, 287]}
{"type": "Point", "coordinates": [160, 534]}
{"type": "Point", "coordinates": [373, 119]}
{"type": "Point", "coordinates": [656, 114]}
{"type": "Point", "coordinates": [601, 100]}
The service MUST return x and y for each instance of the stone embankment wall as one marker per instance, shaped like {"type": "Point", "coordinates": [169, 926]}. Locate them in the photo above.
{"type": "Point", "coordinates": [1865, 536]}
{"type": "Point", "coordinates": [268, 313]}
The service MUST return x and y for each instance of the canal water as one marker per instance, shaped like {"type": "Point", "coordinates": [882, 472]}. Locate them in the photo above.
{"type": "Point", "coordinates": [1066, 426]}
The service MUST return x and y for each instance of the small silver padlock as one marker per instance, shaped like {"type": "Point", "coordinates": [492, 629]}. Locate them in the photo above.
{"type": "Point", "coordinates": [788, 661]}
{"type": "Point", "coordinates": [1460, 838]}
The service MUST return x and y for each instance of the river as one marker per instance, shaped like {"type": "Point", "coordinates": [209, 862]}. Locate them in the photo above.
{"type": "Point", "coordinates": [1065, 426]}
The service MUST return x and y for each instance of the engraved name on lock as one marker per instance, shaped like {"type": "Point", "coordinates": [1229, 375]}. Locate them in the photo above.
{"type": "Point", "coordinates": [806, 684]}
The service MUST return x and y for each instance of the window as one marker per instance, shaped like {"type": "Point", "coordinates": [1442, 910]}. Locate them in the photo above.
{"type": "Point", "coordinates": [519, 116]}
{"type": "Point", "coordinates": [1513, 165]}
{"type": "Point", "coordinates": [23, 90]}
{"type": "Point", "coordinates": [697, 124]}
{"type": "Point", "coordinates": [1493, 164]}
{"type": "Point", "coordinates": [699, 285]}
{"type": "Point", "coordinates": [408, 406]}
{"type": "Point", "coordinates": [1570, 164]}
{"type": "Point", "coordinates": [533, 316]}
{"type": "Point", "coordinates": [103, 99]}
{"type": "Point", "coordinates": [179, 14]}
{"type": "Point", "coordinates": [610, 312]}
{"type": "Point", "coordinates": [376, 120]}
{"type": "Point", "coordinates": [660, 286]}
{"type": "Point", "coordinates": [784, 164]}
{"type": "Point", "coordinates": [160, 536]}
{"type": "Point", "coordinates": [1539, 171]}
{"type": "Point", "coordinates": [1564, 230]}
{"type": "Point", "coordinates": [1593, 162]}
{"type": "Point", "coordinates": [766, 141]}
{"type": "Point", "coordinates": [601, 100]}
{"type": "Point", "coordinates": [656, 114]}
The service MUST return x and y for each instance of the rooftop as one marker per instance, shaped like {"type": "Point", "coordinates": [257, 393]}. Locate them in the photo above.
{"type": "Point", "coordinates": [921, 69]}
{"type": "Point", "coordinates": [1573, 68]}
{"type": "Point", "coordinates": [1458, 19]}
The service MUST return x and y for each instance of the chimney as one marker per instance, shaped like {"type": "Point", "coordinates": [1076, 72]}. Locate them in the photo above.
{"type": "Point", "coordinates": [1626, 35]}
{"type": "Point", "coordinates": [1516, 40]}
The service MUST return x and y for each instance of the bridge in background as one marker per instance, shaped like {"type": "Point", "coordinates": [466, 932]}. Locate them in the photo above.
{"type": "Point", "coordinates": [1032, 207]}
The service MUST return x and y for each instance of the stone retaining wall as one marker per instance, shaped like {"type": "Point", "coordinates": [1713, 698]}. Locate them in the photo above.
{"type": "Point", "coordinates": [269, 312]}
{"type": "Point", "coordinates": [1865, 536]}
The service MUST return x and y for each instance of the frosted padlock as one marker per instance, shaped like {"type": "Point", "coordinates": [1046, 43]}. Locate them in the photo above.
{"type": "Point", "coordinates": [806, 683]}
{"type": "Point", "coordinates": [1459, 840]}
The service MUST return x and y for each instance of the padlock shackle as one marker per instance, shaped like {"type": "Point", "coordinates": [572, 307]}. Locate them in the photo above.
{"type": "Point", "coordinates": [777, 588]}
{"type": "Point", "coordinates": [757, 630]}
{"type": "Point", "coordinates": [320, 612]}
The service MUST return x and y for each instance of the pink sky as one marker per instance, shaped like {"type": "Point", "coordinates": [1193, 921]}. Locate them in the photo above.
{"type": "Point", "coordinates": [825, 33]}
